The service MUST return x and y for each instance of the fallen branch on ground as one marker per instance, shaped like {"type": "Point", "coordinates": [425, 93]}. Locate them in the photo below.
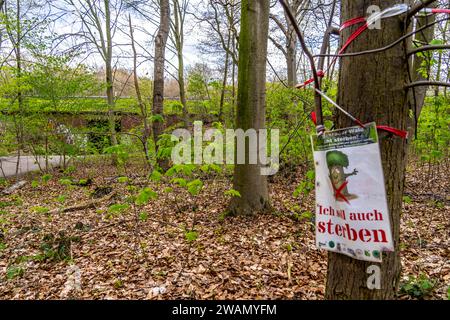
{"type": "Point", "coordinates": [83, 206]}
{"type": "Point", "coordinates": [14, 187]}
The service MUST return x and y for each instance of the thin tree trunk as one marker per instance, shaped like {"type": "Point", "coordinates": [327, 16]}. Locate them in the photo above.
{"type": "Point", "coordinates": [179, 44]}
{"type": "Point", "coordinates": [417, 95]}
{"type": "Point", "coordinates": [158, 79]}
{"type": "Point", "coordinates": [251, 104]}
{"type": "Point", "coordinates": [291, 56]}
{"type": "Point", "coordinates": [109, 75]}
{"type": "Point", "coordinates": [225, 77]}
{"type": "Point", "coordinates": [371, 88]}
{"type": "Point", "coordinates": [142, 106]}
{"type": "Point", "coordinates": [233, 88]}
{"type": "Point", "coordinates": [18, 51]}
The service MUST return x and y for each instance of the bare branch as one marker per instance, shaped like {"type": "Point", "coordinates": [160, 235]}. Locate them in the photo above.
{"type": "Point", "coordinates": [419, 6]}
{"type": "Point", "coordinates": [427, 83]}
{"type": "Point", "coordinates": [317, 97]}
{"type": "Point", "coordinates": [389, 46]}
{"type": "Point", "coordinates": [429, 48]}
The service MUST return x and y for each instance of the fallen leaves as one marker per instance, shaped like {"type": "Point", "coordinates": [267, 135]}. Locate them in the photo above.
{"type": "Point", "coordinates": [124, 256]}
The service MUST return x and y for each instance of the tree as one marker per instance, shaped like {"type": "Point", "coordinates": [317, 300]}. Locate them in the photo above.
{"type": "Point", "coordinates": [371, 87]}
{"type": "Point", "coordinates": [177, 39]}
{"type": "Point", "coordinates": [98, 26]}
{"type": "Point", "coordinates": [251, 106]}
{"type": "Point", "coordinates": [221, 19]}
{"type": "Point", "coordinates": [289, 49]}
{"type": "Point", "coordinates": [420, 69]}
{"type": "Point", "coordinates": [137, 88]}
{"type": "Point", "coordinates": [158, 79]}
{"type": "Point", "coordinates": [23, 25]}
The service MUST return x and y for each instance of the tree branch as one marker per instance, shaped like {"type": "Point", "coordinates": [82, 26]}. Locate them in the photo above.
{"type": "Point", "coordinates": [389, 46]}
{"type": "Point", "coordinates": [317, 97]}
{"type": "Point", "coordinates": [428, 48]}
{"type": "Point", "coordinates": [427, 83]}
{"type": "Point", "coordinates": [419, 6]}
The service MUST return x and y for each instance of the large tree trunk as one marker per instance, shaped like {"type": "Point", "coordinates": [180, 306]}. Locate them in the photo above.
{"type": "Point", "coordinates": [251, 103]}
{"type": "Point", "coordinates": [371, 87]}
{"type": "Point", "coordinates": [158, 78]}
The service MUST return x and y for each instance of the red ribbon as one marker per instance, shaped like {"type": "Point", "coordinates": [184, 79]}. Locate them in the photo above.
{"type": "Point", "coordinates": [441, 11]}
{"type": "Point", "coordinates": [400, 133]}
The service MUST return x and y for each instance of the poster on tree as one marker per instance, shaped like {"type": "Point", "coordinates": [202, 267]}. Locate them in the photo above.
{"type": "Point", "coordinates": [351, 207]}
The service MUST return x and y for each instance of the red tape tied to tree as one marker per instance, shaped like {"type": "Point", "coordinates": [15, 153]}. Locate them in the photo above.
{"type": "Point", "coordinates": [400, 133]}
{"type": "Point", "coordinates": [387, 13]}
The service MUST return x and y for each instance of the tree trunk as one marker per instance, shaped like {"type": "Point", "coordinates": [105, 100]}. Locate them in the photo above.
{"type": "Point", "coordinates": [225, 77]}
{"type": "Point", "coordinates": [417, 95]}
{"type": "Point", "coordinates": [142, 105]}
{"type": "Point", "coordinates": [371, 87]}
{"type": "Point", "coordinates": [178, 33]}
{"type": "Point", "coordinates": [109, 75]}
{"type": "Point", "coordinates": [291, 56]}
{"type": "Point", "coordinates": [251, 103]}
{"type": "Point", "coordinates": [18, 50]}
{"type": "Point", "coordinates": [182, 87]}
{"type": "Point", "coordinates": [158, 78]}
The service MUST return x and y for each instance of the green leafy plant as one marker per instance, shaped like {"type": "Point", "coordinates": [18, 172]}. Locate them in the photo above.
{"type": "Point", "coordinates": [65, 181]}
{"type": "Point", "coordinates": [62, 198]}
{"type": "Point", "coordinates": [14, 271]}
{"type": "Point", "coordinates": [145, 196]}
{"type": "Point", "coordinates": [232, 193]}
{"type": "Point", "coordinates": [156, 176]}
{"type": "Point", "coordinates": [41, 210]}
{"type": "Point", "coordinates": [46, 178]}
{"type": "Point", "coordinates": [119, 152]}
{"type": "Point", "coordinates": [55, 248]}
{"type": "Point", "coordinates": [191, 236]}
{"type": "Point", "coordinates": [123, 179]}
{"type": "Point", "coordinates": [306, 186]}
{"type": "Point", "coordinates": [143, 216]}
{"type": "Point", "coordinates": [117, 208]}
{"type": "Point", "coordinates": [418, 287]}
{"type": "Point", "coordinates": [407, 199]}
{"type": "Point", "coordinates": [194, 187]}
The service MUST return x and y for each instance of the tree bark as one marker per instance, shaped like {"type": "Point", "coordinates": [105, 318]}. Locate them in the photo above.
{"type": "Point", "coordinates": [158, 78]}
{"type": "Point", "coordinates": [371, 88]}
{"type": "Point", "coordinates": [142, 105]}
{"type": "Point", "coordinates": [291, 50]}
{"type": "Point", "coordinates": [417, 95]}
{"type": "Point", "coordinates": [225, 77]}
{"type": "Point", "coordinates": [178, 33]}
{"type": "Point", "coordinates": [18, 51]}
{"type": "Point", "coordinates": [109, 74]}
{"type": "Point", "coordinates": [251, 103]}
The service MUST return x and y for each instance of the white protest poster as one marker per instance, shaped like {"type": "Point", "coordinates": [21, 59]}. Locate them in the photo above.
{"type": "Point", "coordinates": [351, 207]}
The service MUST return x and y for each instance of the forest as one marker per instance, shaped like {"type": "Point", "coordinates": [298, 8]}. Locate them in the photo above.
{"type": "Point", "coordinates": [224, 150]}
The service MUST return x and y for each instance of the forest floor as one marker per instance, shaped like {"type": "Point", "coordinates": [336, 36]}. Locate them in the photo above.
{"type": "Point", "coordinates": [143, 253]}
